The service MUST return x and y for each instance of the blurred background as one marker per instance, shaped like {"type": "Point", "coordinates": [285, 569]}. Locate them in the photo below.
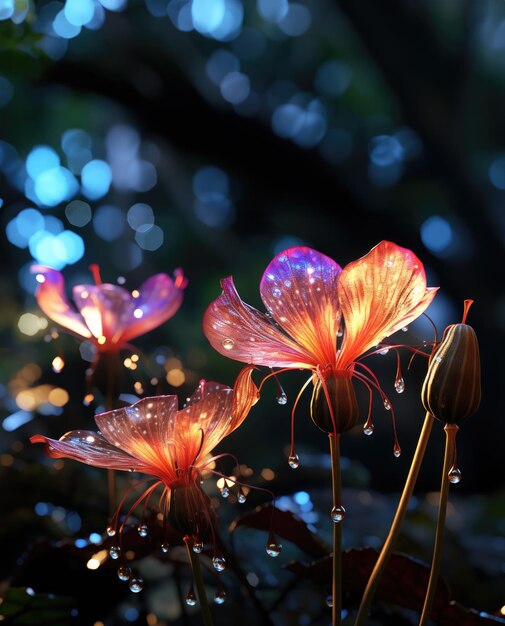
{"type": "Point", "coordinates": [209, 135]}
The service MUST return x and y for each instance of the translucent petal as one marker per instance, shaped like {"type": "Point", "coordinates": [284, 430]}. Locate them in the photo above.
{"type": "Point", "coordinates": [379, 294]}
{"type": "Point", "coordinates": [299, 289]}
{"type": "Point", "coordinates": [53, 301]}
{"type": "Point", "coordinates": [245, 396]}
{"type": "Point", "coordinates": [243, 333]}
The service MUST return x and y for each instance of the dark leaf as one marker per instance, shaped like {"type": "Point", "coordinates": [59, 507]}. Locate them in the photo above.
{"type": "Point", "coordinates": [23, 606]}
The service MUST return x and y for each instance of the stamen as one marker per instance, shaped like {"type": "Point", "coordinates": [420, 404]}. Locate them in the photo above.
{"type": "Point", "coordinates": [467, 305]}
{"type": "Point", "coordinates": [293, 459]}
{"type": "Point", "coordinates": [199, 449]}
{"type": "Point", "coordinates": [95, 271]}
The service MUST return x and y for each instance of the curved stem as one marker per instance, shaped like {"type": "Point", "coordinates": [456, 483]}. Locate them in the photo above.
{"type": "Point", "coordinates": [396, 525]}
{"type": "Point", "coordinates": [198, 580]}
{"type": "Point", "coordinates": [336, 481]}
{"type": "Point", "coordinates": [450, 443]}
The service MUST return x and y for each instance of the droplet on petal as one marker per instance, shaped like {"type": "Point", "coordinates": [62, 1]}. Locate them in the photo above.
{"type": "Point", "coordinates": [219, 563]}
{"type": "Point", "coordinates": [136, 584]}
{"type": "Point", "coordinates": [384, 351]}
{"type": "Point", "coordinates": [293, 461]}
{"type": "Point", "coordinates": [124, 572]}
{"type": "Point", "coordinates": [337, 514]}
{"type": "Point", "coordinates": [454, 475]}
{"type": "Point", "coordinates": [228, 344]}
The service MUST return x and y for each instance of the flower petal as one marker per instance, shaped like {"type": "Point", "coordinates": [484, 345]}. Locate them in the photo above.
{"type": "Point", "coordinates": [145, 430]}
{"type": "Point", "coordinates": [243, 333]}
{"type": "Point", "coordinates": [379, 294]}
{"type": "Point", "coordinates": [245, 396]}
{"type": "Point", "coordinates": [53, 301]}
{"type": "Point", "coordinates": [91, 448]}
{"type": "Point", "coordinates": [299, 289]}
{"type": "Point", "coordinates": [160, 298]}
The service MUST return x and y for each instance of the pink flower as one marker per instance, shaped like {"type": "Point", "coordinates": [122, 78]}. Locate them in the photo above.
{"type": "Point", "coordinates": [109, 315]}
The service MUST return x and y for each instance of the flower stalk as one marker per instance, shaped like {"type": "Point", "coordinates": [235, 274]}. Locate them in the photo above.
{"type": "Point", "coordinates": [336, 588]}
{"type": "Point", "coordinates": [198, 580]}
{"type": "Point", "coordinates": [450, 447]}
{"type": "Point", "coordinates": [396, 525]}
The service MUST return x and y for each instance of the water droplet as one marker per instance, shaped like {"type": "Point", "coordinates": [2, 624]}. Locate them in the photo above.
{"type": "Point", "coordinates": [124, 572]}
{"type": "Point", "coordinates": [368, 429]}
{"type": "Point", "coordinates": [136, 584]}
{"type": "Point", "coordinates": [142, 530]}
{"type": "Point", "coordinates": [191, 599]}
{"type": "Point", "coordinates": [241, 498]}
{"type": "Point", "coordinates": [405, 329]}
{"type": "Point", "coordinates": [197, 547]}
{"type": "Point", "coordinates": [337, 514]}
{"type": "Point", "coordinates": [329, 601]}
{"type": "Point", "coordinates": [219, 563]}
{"type": "Point", "coordinates": [387, 404]}
{"type": "Point", "coordinates": [454, 475]}
{"type": "Point", "coordinates": [397, 450]}
{"type": "Point", "coordinates": [287, 283]}
{"type": "Point", "coordinates": [131, 469]}
{"type": "Point", "coordinates": [340, 333]}
{"type": "Point", "coordinates": [282, 398]}
{"type": "Point", "coordinates": [276, 292]}
{"type": "Point", "coordinates": [225, 492]}
{"type": "Point", "coordinates": [220, 596]}
{"type": "Point", "coordinates": [228, 344]}
{"type": "Point", "coordinates": [165, 547]}
{"type": "Point", "coordinates": [438, 359]}
{"type": "Point", "coordinates": [293, 461]}
{"type": "Point", "coordinates": [273, 549]}
{"type": "Point", "coordinates": [111, 531]}
{"type": "Point", "coordinates": [399, 385]}
{"type": "Point", "coordinates": [389, 263]}
{"type": "Point", "coordinates": [384, 351]}
{"type": "Point", "coordinates": [114, 552]}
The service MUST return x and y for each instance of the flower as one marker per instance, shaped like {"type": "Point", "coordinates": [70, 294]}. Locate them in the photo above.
{"type": "Point", "coordinates": [153, 437]}
{"type": "Point", "coordinates": [108, 315]}
{"type": "Point", "coordinates": [311, 303]}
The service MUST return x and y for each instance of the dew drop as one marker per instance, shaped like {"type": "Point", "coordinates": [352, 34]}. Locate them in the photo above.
{"type": "Point", "coordinates": [111, 531]}
{"type": "Point", "coordinates": [368, 429]}
{"type": "Point", "coordinates": [397, 450]}
{"type": "Point", "coordinates": [114, 552]}
{"type": "Point", "coordinates": [282, 398]}
{"type": "Point", "coordinates": [225, 492]}
{"type": "Point", "coordinates": [337, 514]}
{"type": "Point", "coordinates": [220, 596]}
{"type": "Point", "coordinates": [454, 475]}
{"type": "Point", "coordinates": [191, 599]}
{"type": "Point", "coordinates": [329, 601]}
{"type": "Point", "coordinates": [241, 498]}
{"type": "Point", "coordinates": [131, 470]}
{"type": "Point", "coordinates": [399, 385]}
{"type": "Point", "coordinates": [389, 263]}
{"type": "Point", "coordinates": [340, 333]}
{"type": "Point", "coordinates": [142, 530]}
{"type": "Point", "coordinates": [165, 547]}
{"type": "Point", "coordinates": [136, 584]}
{"type": "Point", "coordinates": [197, 547]}
{"type": "Point", "coordinates": [273, 549]}
{"type": "Point", "coordinates": [219, 563]}
{"type": "Point", "coordinates": [287, 283]}
{"type": "Point", "coordinates": [438, 359]}
{"type": "Point", "coordinates": [276, 292]}
{"type": "Point", "coordinates": [384, 351]}
{"type": "Point", "coordinates": [293, 461]}
{"type": "Point", "coordinates": [387, 404]}
{"type": "Point", "coordinates": [228, 344]}
{"type": "Point", "coordinates": [405, 329]}
{"type": "Point", "coordinates": [124, 572]}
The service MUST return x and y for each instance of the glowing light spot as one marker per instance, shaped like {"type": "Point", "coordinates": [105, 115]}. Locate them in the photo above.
{"type": "Point", "coordinates": [436, 234]}
{"type": "Point", "coordinates": [135, 293]}
{"type": "Point", "coordinates": [140, 215]}
{"type": "Point", "coordinates": [220, 63]}
{"type": "Point", "coordinates": [58, 364]}
{"type": "Point", "coordinates": [79, 12]}
{"type": "Point", "coordinates": [149, 237]}
{"type": "Point", "coordinates": [175, 377]}
{"type": "Point", "coordinates": [333, 78]}
{"type": "Point", "coordinates": [78, 213]}
{"type": "Point", "coordinates": [40, 278]}
{"type": "Point", "coordinates": [41, 159]}
{"type": "Point", "coordinates": [64, 28]}
{"type": "Point", "coordinates": [138, 313]}
{"type": "Point", "coordinates": [297, 21]}
{"type": "Point", "coordinates": [101, 340]}
{"type": "Point", "coordinates": [58, 397]}
{"type": "Point", "coordinates": [96, 178]}
{"type": "Point", "coordinates": [235, 87]}
{"type": "Point", "coordinates": [29, 324]}
{"type": "Point", "coordinates": [15, 420]}
{"type": "Point", "coordinates": [267, 474]}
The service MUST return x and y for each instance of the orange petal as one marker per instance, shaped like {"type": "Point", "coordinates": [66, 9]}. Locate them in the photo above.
{"type": "Point", "coordinates": [379, 294]}
{"type": "Point", "coordinates": [52, 300]}
{"type": "Point", "coordinates": [245, 396]}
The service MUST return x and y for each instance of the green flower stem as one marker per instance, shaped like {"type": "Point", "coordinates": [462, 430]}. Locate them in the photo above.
{"type": "Point", "coordinates": [450, 444]}
{"type": "Point", "coordinates": [336, 589]}
{"type": "Point", "coordinates": [198, 580]}
{"type": "Point", "coordinates": [396, 525]}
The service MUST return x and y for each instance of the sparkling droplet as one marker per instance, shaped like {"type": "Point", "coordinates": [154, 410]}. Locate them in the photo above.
{"type": "Point", "coordinates": [136, 584]}
{"type": "Point", "coordinates": [228, 344]}
{"type": "Point", "coordinates": [368, 429]}
{"type": "Point", "coordinates": [165, 547]}
{"type": "Point", "coordinates": [142, 530]}
{"type": "Point", "coordinates": [197, 547]}
{"type": "Point", "coordinates": [454, 475]}
{"type": "Point", "coordinates": [293, 461]}
{"type": "Point", "coordinates": [384, 351]}
{"type": "Point", "coordinates": [225, 492]}
{"type": "Point", "coordinates": [191, 599]}
{"type": "Point", "coordinates": [399, 385]}
{"type": "Point", "coordinates": [337, 514]}
{"type": "Point", "coordinates": [124, 572]}
{"type": "Point", "coordinates": [405, 329]}
{"type": "Point", "coordinates": [276, 292]}
{"type": "Point", "coordinates": [219, 563]}
{"type": "Point", "coordinates": [282, 398]}
{"type": "Point", "coordinates": [273, 549]}
{"type": "Point", "coordinates": [114, 552]}
{"type": "Point", "coordinates": [329, 601]}
{"type": "Point", "coordinates": [387, 404]}
{"type": "Point", "coordinates": [438, 359]}
{"type": "Point", "coordinates": [111, 531]}
{"type": "Point", "coordinates": [241, 498]}
{"type": "Point", "coordinates": [397, 450]}
{"type": "Point", "coordinates": [389, 263]}
{"type": "Point", "coordinates": [58, 364]}
{"type": "Point", "coordinates": [220, 596]}
{"type": "Point", "coordinates": [340, 333]}
{"type": "Point", "coordinates": [131, 469]}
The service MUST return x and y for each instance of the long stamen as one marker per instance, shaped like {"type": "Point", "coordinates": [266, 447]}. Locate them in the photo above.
{"type": "Point", "coordinates": [467, 305]}
{"type": "Point", "coordinates": [95, 271]}
{"type": "Point", "coordinates": [199, 448]}
{"type": "Point", "coordinates": [293, 457]}
{"type": "Point", "coordinates": [281, 371]}
{"type": "Point", "coordinates": [197, 577]}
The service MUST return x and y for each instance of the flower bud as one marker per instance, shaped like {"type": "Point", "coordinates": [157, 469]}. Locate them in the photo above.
{"type": "Point", "coordinates": [344, 404]}
{"type": "Point", "coordinates": [451, 389]}
{"type": "Point", "coordinates": [189, 510]}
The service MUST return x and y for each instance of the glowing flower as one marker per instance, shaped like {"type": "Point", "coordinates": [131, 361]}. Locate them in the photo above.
{"type": "Point", "coordinates": [108, 315]}
{"type": "Point", "coordinates": [153, 437]}
{"type": "Point", "coordinates": [322, 318]}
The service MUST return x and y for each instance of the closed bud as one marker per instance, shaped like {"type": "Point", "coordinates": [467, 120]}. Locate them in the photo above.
{"type": "Point", "coordinates": [344, 405]}
{"type": "Point", "coordinates": [451, 389]}
{"type": "Point", "coordinates": [189, 507]}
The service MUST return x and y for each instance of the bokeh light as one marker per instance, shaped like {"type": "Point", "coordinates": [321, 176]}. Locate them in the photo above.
{"type": "Point", "coordinates": [436, 234]}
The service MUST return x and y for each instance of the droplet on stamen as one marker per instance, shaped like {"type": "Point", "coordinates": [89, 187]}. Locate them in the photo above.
{"type": "Point", "coordinates": [164, 547]}
{"type": "Point", "coordinates": [405, 329]}
{"type": "Point", "coordinates": [454, 475]}
{"type": "Point", "coordinates": [399, 385]}
{"type": "Point", "coordinates": [220, 596]}
{"type": "Point", "coordinates": [142, 530]}
{"type": "Point", "coordinates": [111, 531]}
{"type": "Point", "coordinates": [368, 429]}
{"type": "Point", "coordinates": [329, 601]}
{"type": "Point", "coordinates": [384, 351]}
{"type": "Point", "coordinates": [282, 398]}
{"type": "Point", "coordinates": [228, 344]}
{"type": "Point", "coordinates": [219, 563]}
{"type": "Point", "coordinates": [387, 404]}
{"type": "Point", "coordinates": [225, 492]}
{"type": "Point", "coordinates": [136, 584]}
{"type": "Point", "coordinates": [293, 461]}
{"type": "Point", "coordinates": [114, 552]}
{"type": "Point", "coordinates": [337, 514]}
{"type": "Point", "coordinates": [197, 547]}
{"type": "Point", "coordinates": [191, 598]}
{"type": "Point", "coordinates": [397, 450]}
{"type": "Point", "coordinates": [241, 498]}
{"type": "Point", "coordinates": [124, 572]}
{"type": "Point", "coordinates": [273, 549]}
